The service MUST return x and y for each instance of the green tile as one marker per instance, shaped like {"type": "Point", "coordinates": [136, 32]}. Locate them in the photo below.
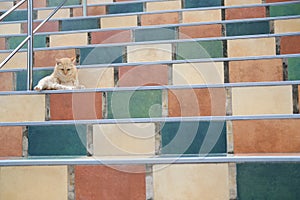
{"type": "Point", "coordinates": [155, 34]}
{"type": "Point", "coordinates": [294, 68]}
{"type": "Point", "coordinates": [55, 3]}
{"type": "Point", "coordinates": [101, 55]}
{"type": "Point", "coordinates": [18, 15]}
{"type": "Point", "coordinates": [276, 181]}
{"type": "Point", "coordinates": [38, 42]}
{"type": "Point", "coordinates": [125, 8]}
{"type": "Point", "coordinates": [134, 104]}
{"type": "Point", "coordinates": [201, 3]}
{"type": "Point", "coordinates": [57, 140]}
{"type": "Point", "coordinates": [79, 24]}
{"type": "Point", "coordinates": [285, 10]}
{"type": "Point", "coordinates": [37, 75]}
{"type": "Point", "coordinates": [198, 50]}
{"type": "Point", "coordinates": [194, 138]}
{"type": "Point", "coordinates": [247, 28]}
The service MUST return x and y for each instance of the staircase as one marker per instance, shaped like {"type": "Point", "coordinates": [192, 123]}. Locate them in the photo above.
{"type": "Point", "coordinates": [184, 100]}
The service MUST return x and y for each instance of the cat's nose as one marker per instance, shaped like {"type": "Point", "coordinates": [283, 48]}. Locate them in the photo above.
{"type": "Point", "coordinates": [65, 72]}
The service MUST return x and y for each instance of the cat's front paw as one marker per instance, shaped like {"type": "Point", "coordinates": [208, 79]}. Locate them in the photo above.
{"type": "Point", "coordinates": [38, 88]}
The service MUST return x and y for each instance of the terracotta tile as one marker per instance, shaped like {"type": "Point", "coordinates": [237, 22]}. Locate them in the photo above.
{"type": "Point", "coordinates": [96, 78]}
{"type": "Point", "coordinates": [118, 22]}
{"type": "Point", "coordinates": [50, 26]}
{"type": "Point", "coordinates": [197, 102]}
{"type": "Point", "coordinates": [110, 182]}
{"type": "Point", "coordinates": [290, 44]}
{"type": "Point", "coordinates": [266, 136]}
{"type": "Point", "coordinates": [166, 5]}
{"type": "Point", "coordinates": [238, 2]}
{"type": "Point", "coordinates": [11, 140]}
{"type": "Point", "coordinates": [255, 70]}
{"type": "Point", "coordinates": [213, 30]}
{"type": "Point", "coordinates": [2, 43]}
{"type": "Point", "coordinates": [36, 4]}
{"type": "Point", "coordinates": [201, 16]}
{"type": "Point", "coordinates": [245, 13]}
{"type": "Point", "coordinates": [7, 81]}
{"type": "Point", "coordinates": [156, 19]}
{"type": "Point", "coordinates": [143, 75]}
{"type": "Point", "coordinates": [105, 37]}
{"type": "Point", "coordinates": [286, 26]}
{"type": "Point", "coordinates": [191, 181]}
{"type": "Point", "coordinates": [19, 60]}
{"type": "Point", "coordinates": [262, 100]}
{"type": "Point", "coordinates": [10, 28]}
{"type": "Point", "coordinates": [76, 39]}
{"type": "Point", "coordinates": [75, 106]}
{"type": "Point", "coordinates": [47, 58]}
{"type": "Point", "coordinates": [91, 10]}
{"type": "Point", "coordinates": [61, 13]}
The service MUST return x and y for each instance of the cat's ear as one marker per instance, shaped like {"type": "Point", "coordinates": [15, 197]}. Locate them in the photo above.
{"type": "Point", "coordinates": [58, 61]}
{"type": "Point", "coordinates": [73, 60]}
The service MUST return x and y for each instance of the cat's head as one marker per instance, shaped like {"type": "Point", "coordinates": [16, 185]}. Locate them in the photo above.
{"type": "Point", "coordinates": [65, 67]}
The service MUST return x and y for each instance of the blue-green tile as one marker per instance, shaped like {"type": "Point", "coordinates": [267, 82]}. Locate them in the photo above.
{"type": "Point", "coordinates": [194, 138]}
{"type": "Point", "coordinates": [134, 104]}
{"type": "Point", "coordinates": [38, 42]}
{"type": "Point", "coordinates": [101, 55]}
{"type": "Point", "coordinates": [125, 8]}
{"type": "Point", "coordinates": [57, 140]}
{"type": "Point", "coordinates": [37, 75]}
{"type": "Point", "coordinates": [155, 34]}
{"type": "Point", "coordinates": [247, 28]}
{"type": "Point", "coordinates": [201, 3]}
{"type": "Point", "coordinates": [18, 15]}
{"type": "Point", "coordinates": [285, 10]}
{"type": "Point", "coordinates": [276, 181]}
{"type": "Point", "coordinates": [55, 3]}
{"type": "Point", "coordinates": [294, 68]}
{"type": "Point", "coordinates": [198, 50]}
{"type": "Point", "coordinates": [79, 24]}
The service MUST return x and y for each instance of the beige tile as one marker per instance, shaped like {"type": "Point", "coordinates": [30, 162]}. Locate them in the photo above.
{"type": "Point", "coordinates": [98, 1]}
{"type": "Point", "coordinates": [10, 28]}
{"type": "Point", "coordinates": [191, 181]}
{"type": "Point", "coordinates": [251, 47]}
{"type": "Point", "coordinates": [62, 13]}
{"type": "Point", "coordinates": [19, 60]}
{"type": "Point", "coordinates": [96, 78]}
{"type": "Point", "coordinates": [262, 100]}
{"type": "Point", "coordinates": [6, 5]}
{"type": "Point", "coordinates": [201, 16]}
{"type": "Point", "coordinates": [239, 2]}
{"type": "Point", "coordinates": [16, 108]}
{"type": "Point", "coordinates": [144, 53]}
{"type": "Point", "coordinates": [124, 139]}
{"type": "Point", "coordinates": [69, 40]}
{"type": "Point", "coordinates": [118, 22]}
{"type": "Point", "coordinates": [285, 26]}
{"type": "Point", "coordinates": [34, 182]}
{"type": "Point", "coordinates": [164, 5]}
{"type": "Point", "coordinates": [198, 73]}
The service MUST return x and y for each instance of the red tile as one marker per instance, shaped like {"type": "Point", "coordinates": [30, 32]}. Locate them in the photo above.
{"type": "Point", "coordinates": [290, 44]}
{"type": "Point", "coordinates": [162, 18]}
{"type": "Point", "coordinates": [75, 106]}
{"type": "Point", "coordinates": [255, 70]}
{"type": "Point", "coordinates": [197, 102]}
{"type": "Point", "coordinates": [50, 26]}
{"type": "Point", "coordinates": [7, 81]}
{"type": "Point", "coordinates": [214, 30]}
{"type": "Point", "coordinates": [105, 37]}
{"type": "Point", "coordinates": [11, 141]}
{"type": "Point", "coordinates": [2, 44]}
{"type": "Point", "coordinates": [143, 75]}
{"type": "Point", "coordinates": [266, 136]}
{"type": "Point", "coordinates": [91, 10]}
{"type": "Point", "coordinates": [245, 13]}
{"type": "Point", "coordinates": [47, 58]}
{"type": "Point", "coordinates": [112, 183]}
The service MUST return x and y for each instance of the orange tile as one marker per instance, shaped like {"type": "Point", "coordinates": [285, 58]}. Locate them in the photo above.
{"type": "Point", "coordinates": [2, 44]}
{"type": "Point", "coordinates": [36, 4]}
{"type": "Point", "coordinates": [197, 102]}
{"type": "Point", "coordinates": [162, 18]}
{"type": "Point", "coordinates": [50, 26]}
{"type": "Point", "coordinates": [104, 37]}
{"type": "Point", "coordinates": [47, 58]}
{"type": "Point", "coordinates": [214, 30]}
{"type": "Point", "coordinates": [255, 70]}
{"type": "Point", "coordinates": [290, 44]}
{"type": "Point", "coordinates": [245, 13]}
{"type": "Point", "coordinates": [7, 81]}
{"type": "Point", "coordinates": [11, 141]}
{"type": "Point", "coordinates": [266, 136]}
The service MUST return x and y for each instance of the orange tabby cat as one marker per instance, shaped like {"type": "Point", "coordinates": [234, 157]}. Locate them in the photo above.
{"type": "Point", "coordinates": [64, 77]}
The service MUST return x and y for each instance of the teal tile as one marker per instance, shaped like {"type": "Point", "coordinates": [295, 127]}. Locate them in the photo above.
{"type": "Point", "coordinates": [201, 3]}
{"type": "Point", "coordinates": [38, 42]}
{"type": "Point", "coordinates": [79, 24]}
{"type": "Point", "coordinates": [294, 69]}
{"type": "Point", "coordinates": [247, 28]}
{"type": "Point", "coordinates": [55, 3]}
{"type": "Point", "coordinates": [194, 138]}
{"type": "Point", "coordinates": [274, 181]}
{"type": "Point", "coordinates": [21, 77]}
{"type": "Point", "coordinates": [134, 104]}
{"type": "Point", "coordinates": [198, 50]}
{"type": "Point", "coordinates": [285, 10]}
{"type": "Point", "coordinates": [155, 34]}
{"type": "Point", "coordinates": [57, 140]}
{"type": "Point", "coordinates": [125, 8]}
{"type": "Point", "coordinates": [18, 15]}
{"type": "Point", "coordinates": [101, 55]}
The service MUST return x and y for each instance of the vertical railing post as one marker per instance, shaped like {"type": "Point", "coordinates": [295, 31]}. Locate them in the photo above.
{"type": "Point", "coordinates": [84, 7]}
{"type": "Point", "coordinates": [30, 44]}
